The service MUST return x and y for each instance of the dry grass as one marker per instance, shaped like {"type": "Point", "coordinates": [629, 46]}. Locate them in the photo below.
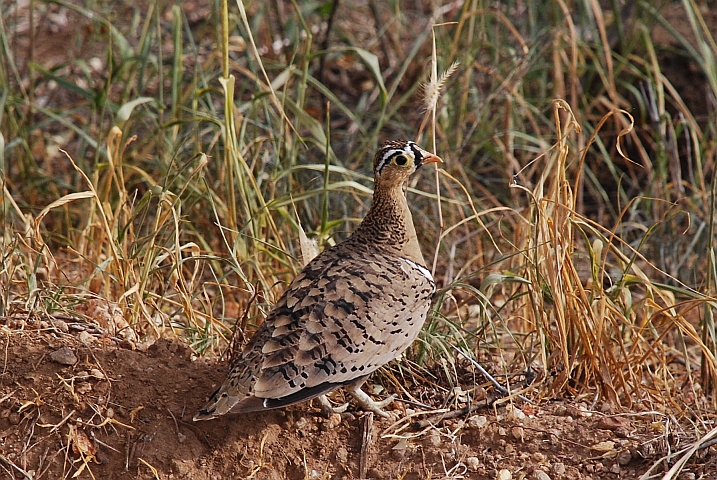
{"type": "Point", "coordinates": [570, 237]}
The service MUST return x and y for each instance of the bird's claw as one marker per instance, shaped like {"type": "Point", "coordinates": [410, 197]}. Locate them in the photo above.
{"type": "Point", "coordinates": [329, 409]}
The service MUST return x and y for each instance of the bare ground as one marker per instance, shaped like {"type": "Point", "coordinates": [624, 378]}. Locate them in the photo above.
{"type": "Point", "coordinates": [79, 403]}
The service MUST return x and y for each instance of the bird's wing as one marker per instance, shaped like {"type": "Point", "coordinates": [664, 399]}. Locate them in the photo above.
{"type": "Point", "coordinates": [343, 317]}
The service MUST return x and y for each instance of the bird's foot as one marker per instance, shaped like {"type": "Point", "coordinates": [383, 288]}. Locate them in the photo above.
{"type": "Point", "coordinates": [329, 409]}
{"type": "Point", "coordinates": [366, 403]}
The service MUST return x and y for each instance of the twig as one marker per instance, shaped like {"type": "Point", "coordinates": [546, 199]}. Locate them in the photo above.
{"type": "Point", "coordinates": [10, 463]}
{"type": "Point", "coordinates": [176, 425]}
{"type": "Point", "coordinates": [366, 429]}
{"type": "Point", "coordinates": [686, 453]}
{"type": "Point", "coordinates": [435, 419]}
{"type": "Point", "coordinates": [414, 404]}
{"type": "Point", "coordinates": [492, 380]}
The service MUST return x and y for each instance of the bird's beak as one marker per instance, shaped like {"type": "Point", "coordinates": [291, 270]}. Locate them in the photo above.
{"type": "Point", "coordinates": [428, 157]}
{"type": "Point", "coordinates": [431, 158]}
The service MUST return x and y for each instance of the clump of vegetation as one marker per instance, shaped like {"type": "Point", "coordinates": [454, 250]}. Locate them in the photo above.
{"type": "Point", "coordinates": [165, 160]}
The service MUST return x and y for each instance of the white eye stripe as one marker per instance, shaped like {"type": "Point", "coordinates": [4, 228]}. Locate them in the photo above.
{"type": "Point", "coordinates": [389, 154]}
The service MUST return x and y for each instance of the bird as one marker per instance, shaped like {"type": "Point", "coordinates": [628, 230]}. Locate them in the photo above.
{"type": "Point", "coordinates": [353, 308]}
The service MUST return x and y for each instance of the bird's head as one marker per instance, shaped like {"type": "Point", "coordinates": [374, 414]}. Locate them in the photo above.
{"type": "Point", "coordinates": [396, 160]}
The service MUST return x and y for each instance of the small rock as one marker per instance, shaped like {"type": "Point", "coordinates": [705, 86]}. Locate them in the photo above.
{"type": "Point", "coordinates": [615, 468]}
{"type": "Point", "coordinates": [333, 421]}
{"type": "Point", "coordinates": [578, 411]}
{"type": "Point", "coordinates": [64, 356]}
{"type": "Point", "coordinates": [514, 413]}
{"type": "Point", "coordinates": [477, 421]}
{"type": "Point", "coordinates": [612, 423]}
{"type": "Point", "coordinates": [83, 388]}
{"type": "Point", "coordinates": [504, 474]}
{"type": "Point", "coordinates": [61, 326]}
{"type": "Point", "coordinates": [509, 449]}
{"type": "Point", "coordinates": [624, 457]}
{"type": "Point", "coordinates": [301, 423]}
{"type": "Point", "coordinates": [86, 337]}
{"type": "Point", "coordinates": [434, 438]}
{"type": "Point", "coordinates": [538, 457]}
{"type": "Point", "coordinates": [14, 418]}
{"type": "Point", "coordinates": [342, 455]}
{"type": "Point", "coordinates": [473, 464]}
{"type": "Point", "coordinates": [604, 447]}
{"type": "Point", "coordinates": [540, 475]}
{"type": "Point", "coordinates": [558, 469]}
{"type": "Point", "coordinates": [518, 433]}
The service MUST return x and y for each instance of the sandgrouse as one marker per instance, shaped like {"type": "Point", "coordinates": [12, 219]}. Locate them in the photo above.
{"type": "Point", "coordinates": [352, 309]}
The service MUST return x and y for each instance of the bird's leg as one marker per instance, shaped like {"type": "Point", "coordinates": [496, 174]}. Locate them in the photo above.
{"type": "Point", "coordinates": [365, 401]}
{"type": "Point", "coordinates": [328, 409]}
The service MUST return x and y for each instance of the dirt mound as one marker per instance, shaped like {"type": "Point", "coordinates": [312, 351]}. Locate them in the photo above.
{"type": "Point", "coordinates": [106, 411]}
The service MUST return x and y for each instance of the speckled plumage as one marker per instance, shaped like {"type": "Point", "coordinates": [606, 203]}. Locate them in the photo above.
{"type": "Point", "coordinates": [352, 309]}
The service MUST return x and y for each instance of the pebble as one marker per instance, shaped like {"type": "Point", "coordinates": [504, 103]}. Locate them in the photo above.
{"type": "Point", "coordinates": [514, 413]}
{"type": "Point", "coordinates": [86, 337]}
{"type": "Point", "coordinates": [612, 423]}
{"type": "Point", "coordinates": [342, 455]}
{"type": "Point", "coordinates": [64, 356]}
{"type": "Point", "coordinates": [558, 469]}
{"type": "Point", "coordinates": [504, 474]}
{"type": "Point", "coordinates": [61, 326]}
{"type": "Point", "coordinates": [14, 418]}
{"type": "Point", "coordinates": [518, 433]}
{"type": "Point", "coordinates": [473, 464]}
{"type": "Point", "coordinates": [333, 421]}
{"type": "Point", "coordinates": [434, 438]}
{"type": "Point", "coordinates": [540, 475]}
{"type": "Point", "coordinates": [301, 423]}
{"type": "Point", "coordinates": [624, 457]}
{"type": "Point", "coordinates": [83, 388]}
{"type": "Point", "coordinates": [477, 421]}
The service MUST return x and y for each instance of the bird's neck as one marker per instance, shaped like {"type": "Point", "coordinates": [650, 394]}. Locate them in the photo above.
{"type": "Point", "coordinates": [389, 225]}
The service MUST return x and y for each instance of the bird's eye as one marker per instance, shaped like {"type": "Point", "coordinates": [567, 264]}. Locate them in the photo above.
{"type": "Point", "coordinates": [400, 160]}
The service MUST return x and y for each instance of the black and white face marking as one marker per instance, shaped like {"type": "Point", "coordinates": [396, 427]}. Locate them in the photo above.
{"type": "Point", "coordinates": [408, 149]}
{"type": "Point", "coordinates": [417, 155]}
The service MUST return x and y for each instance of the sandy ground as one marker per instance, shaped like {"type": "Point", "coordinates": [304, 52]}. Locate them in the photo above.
{"type": "Point", "coordinates": [82, 404]}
